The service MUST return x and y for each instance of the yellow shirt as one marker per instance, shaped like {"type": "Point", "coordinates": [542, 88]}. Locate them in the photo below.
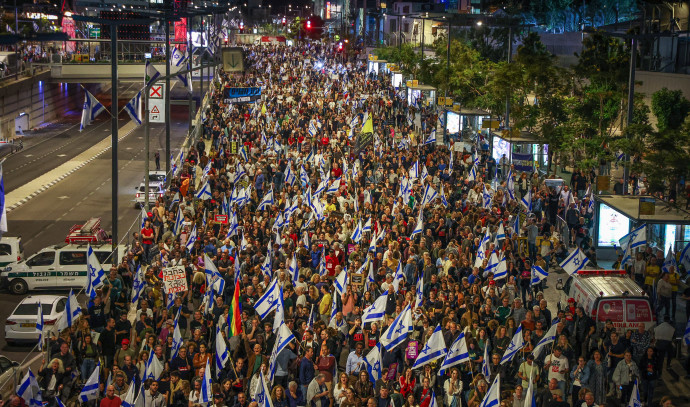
{"type": "Point", "coordinates": [674, 279]}
{"type": "Point", "coordinates": [325, 305]}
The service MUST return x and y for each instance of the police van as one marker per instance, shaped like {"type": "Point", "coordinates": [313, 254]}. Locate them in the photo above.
{"type": "Point", "coordinates": [58, 267]}
{"type": "Point", "coordinates": [611, 295]}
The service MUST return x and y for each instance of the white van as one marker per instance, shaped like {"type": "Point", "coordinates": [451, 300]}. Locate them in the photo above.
{"type": "Point", "coordinates": [58, 267]}
{"type": "Point", "coordinates": [11, 250]}
{"type": "Point", "coordinates": [611, 294]}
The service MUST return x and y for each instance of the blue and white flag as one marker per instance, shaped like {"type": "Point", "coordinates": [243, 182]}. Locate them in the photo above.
{"type": "Point", "coordinates": [130, 397]}
{"type": "Point", "coordinates": [431, 139]}
{"type": "Point", "coordinates": [635, 239]}
{"type": "Point", "coordinates": [526, 201]}
{"type": "Point", "coordinates": [501, 270]}
{"type": "Point", "coordinates": [684, 255]}
{"type": "Point", "coordinates": [133, 108]}
{"type": "Point", "coordinates": [575, 262]}
{"type": "Point", "coordinates": [222, 356]}
{"type": "Point", "coordinates": [398, 277]}
{"type": "Point", "coordinates": [283, 338]}
{"type": "Point", "coordinates": [538, 274]}
{"type": "Point", "coordinates": [472, 175]}
{"type": "Point", "coordinates": [500, 234]}
{"type": "Point", "coordinates": [434, 348]}
{"type": "Point", "coordinates": [517, 343]}
{"type": "Point", "coordinates": [419, 227]}
{"type": "Point", "coordinates": [269, 301]}
{"type": "Point", "coordinates": [206, 393]}
{"type": "Point", "coordinates": [357, 233]}
{"type": "Point", "coordinates": [312, 129]}
{"type": "Point", "coordinates": [530, 394]}
{"type": "Point", "coordinates": [266, 201]}
{"type": "Point", "coordinates": [376, 311]}
{"type": "Point", "coordinates": [373, 363]}
{"type": "Point", "coordinates": [516, 224]}
{"type": "Point", "coordinates": [153, 367]}
{"type": "Point", "coordinates": [71, 313]}
{"type": "Point", "coordinates": [213, 277]}
{"type": "Point", "coordinates": [90, 390]}
{"type": "Point", "coordinates": [485, 363]}
{"type": "Point", "coordinates": [367, 226]}
{"type": "Point", "coordinates": [493, 263]}
{"type": "Point", "coordinates": [92, 108]}
{"type": "Point", "coordinates": [419, 291]}
{"type": "Point", "coordinates": [293, 269]}
{"type": "Point", "coordinates": [397, 332]}
{"type": "Point", "coordinates": [432, 402]}
{"type": "Point", "coordinates": [430, 195]}
{"type": "Point", "coordinates": [263, 394]}
{"type": "Point", "coordinates": [457, 354]}
{"type": "Point", "coordinates": [340, 282]}
{"type": "Point", "coordinates": [96, 275]}
{"type": "Point", "coordinates": [191, 239]}
{"type": "Point", "coordinates": [669, 262]}
{"type": "Point", "coordinates": [179, 219]}
{"type": "Point", "coordinates": [204, 192]}
{"type": "Point", "coordinates": [29, 390]}
{"type": "Point", "coordinates": [548, 338]}
{"type": "Point", "coordinates": [39, 326]}
{"type": "Point", "coordinates": [635, 396]}
{"type": "Point", "coordinates": [177, 337]}
{"type": "Point", "coordinates": [279, 317]}
{"type": "Point", "coordinates": [425, 172]}
{"type": "Point", "coordinates": [493, 396]}
{"type": "Point", "coordinates": [151, 74]}
{"type": "Point", "coordinates": [443, 197]}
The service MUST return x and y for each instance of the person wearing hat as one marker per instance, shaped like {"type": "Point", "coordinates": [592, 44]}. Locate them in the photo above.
{"type": "Point", "coordinates": [123, 352]}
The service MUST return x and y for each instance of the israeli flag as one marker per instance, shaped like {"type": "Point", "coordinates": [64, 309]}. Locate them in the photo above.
{"type": "Point", "coordinates": [71, 313]}
{"type": "Point", "coordinates": [493, 396]}
{"type": "Point", "coordinates": [635, 396]}
{"type": "Point", "coordinates": [205, 192]}
{"type": "Point", "coordinates": [279, 317]}
{"type": "Point", "coordinates": [39, 326]}
{"type": "Point", "coordinates": [538, 274]}
{"type": "Point", "coordinates": [29, 390]}
{"type": "Point", "coordinates": [526, 201]}
{"type": "Point", "coordinates": [457, 354]}
{"type": "Point", "coordinates": [266, 201]}
{"type": "Point", "coordinates": [222, 356]}
{"type": "Point", "coordinates": [516, 225]}
{"type": "Point", "coordinates": [130, 397]}
{"type": "Point", "coordinates": [684, 256]}
{"type": "Point", "coordinates": [303, 177]}
{"type": "Point", "coordinates": [431, 139]}
{"type": "Point", "coordinates": [357, 233]}
{"type": "Point", "coordinates": [96, 275]}
{"type": "Point", "coordinates": [191, 239]}
{"type": "Point", "coordinates": [397, 332]}
{"type": "Point", "coordinates": [293, 269]}
{"type": "Point", "coordinates": [206, 394]}
{"type": "Point", "coordinates": [419, 228]}
{"type": "Point", "coordinates": [514, 346]}
{"type": "Point", "coordinates": [398, 278]}
{"type": "Point", "coordinates": [486, 196]}
{"type": "Point", "coordinates": [669, 262]}
{"type": "Point", "coordinates": [177, 337]}
{"type": "Point", "coordinates": [151, 74]}
{"type": "Point", "coordinates": [492, 265]}
{"type": "Point", "coordinates": [414, 170]}
{"type": "Point", "coordinates": [485, 364]}
{"type": "Point", "coordinates": [548, 338]}
{"type": "Point", "coordinates": [263, 395]}
{"type": "Point", "coordinates": [430, 195]}
{"type": "Point", "coordinates": [443, 197]}
{"type": "Point", "coordinates": [213, 276]}
{"type": "Point", "coordinates": [376, 311]}
{"type": "Point", "coordinates": [472, 176]}
{"type": "Point", "coordinates": [575, 262]}
{"type": "Point", "coordinates": [370, 276]}
{"type": "Point", "coordinates": [340, 282]}
{"type": "Point", "coordinates": [179, 219]}
{"type": "Point", "coordinates": [133, 108]}
{"type": "Point", "coordinates": [92, 108]}
{"type": "Point", "coordinates": [312, 129]}
{"type": "Point", "coordinates": [530, 395]}
{"type": "Point", "coordinates": [284, 337]}
{"type": "Point", "coordinates": [635, 239]}
{"type": "Point", "coordinates": [419, 290]}
{"type": "Point", "coordinates": [90, 390]}
{"type": "Point", "coordinates": [501, 271]}
{"type": "Point", "coordinates": [425, 172]}
{"type": "Point", "coordinates": [435, 348]}
{"type": "Point", "coordinates": [269, 301]}
{"type": "Point", "coordinates": [373, 363]}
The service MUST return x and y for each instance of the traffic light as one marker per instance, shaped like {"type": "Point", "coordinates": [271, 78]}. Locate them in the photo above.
{"type": "Point", "coordinates": [340, 47]}
{"type": "Point", "coordinates": [284, 21]}
{"type": "Point", "coordinates": [308, 25]}
{"type": "Point", "coordinates": [241, 27]}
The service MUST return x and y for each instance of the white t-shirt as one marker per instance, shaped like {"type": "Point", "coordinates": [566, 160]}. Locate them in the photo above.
{"type": "Point", "coordinates": [557, 364]}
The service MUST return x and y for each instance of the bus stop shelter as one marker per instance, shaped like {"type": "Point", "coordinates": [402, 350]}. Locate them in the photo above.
{"type": "Point", "coordinates": [667, 227]}
{"type": "Point", "coordinates": [461, 119]}
{"type": "Point", "coordinates": [424, 93]}
{"type": "Point", "coordinates": [524, 151]}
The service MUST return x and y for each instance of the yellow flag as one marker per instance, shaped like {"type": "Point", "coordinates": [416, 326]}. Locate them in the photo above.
{"type": "Point", "coordinates": [368, 126]}
{"type": "Point", "coordinates": [263, 109]}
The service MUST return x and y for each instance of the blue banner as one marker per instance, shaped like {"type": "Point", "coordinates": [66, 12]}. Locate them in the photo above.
{"type": "Point", "coordinates": [523, 162]}
{"type": "Point", "coordinates": [237, 95]}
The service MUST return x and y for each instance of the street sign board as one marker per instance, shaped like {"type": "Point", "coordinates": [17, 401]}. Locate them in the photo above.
{"type": "Point", "coordinates": [233, 59]}
{"type": "Point", "coordinates": [156, 102]}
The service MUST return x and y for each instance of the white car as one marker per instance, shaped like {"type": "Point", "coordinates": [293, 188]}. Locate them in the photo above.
{"type": "Point", "coordinates": [156, 189]}
{"type": "Point", "coordinates": [20, 326]}
{"type": "Point", "coordinates": [8, 369]}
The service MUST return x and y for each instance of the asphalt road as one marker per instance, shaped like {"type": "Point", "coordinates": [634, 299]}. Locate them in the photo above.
{"type": "Point", "coordinates": [45, 219]}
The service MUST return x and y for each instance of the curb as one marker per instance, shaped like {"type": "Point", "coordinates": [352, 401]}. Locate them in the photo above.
{"type": "Point", "coordinates": [65, 175]}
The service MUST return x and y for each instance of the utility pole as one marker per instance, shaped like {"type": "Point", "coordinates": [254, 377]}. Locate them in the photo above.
{"type": "Point", "coordinates": [445, 112]}
{"type": "Point", "coordinates": [510, 52]}
{"type": "Point", "coordinates": [631, 105]}
{"type": "Point", "coordinates": [167, 98]}
{"type": "Point", "coordinates": [114, 132]}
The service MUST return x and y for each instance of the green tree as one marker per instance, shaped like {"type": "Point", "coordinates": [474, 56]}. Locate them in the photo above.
{"type": "Point", "coordinates": [670, 109]}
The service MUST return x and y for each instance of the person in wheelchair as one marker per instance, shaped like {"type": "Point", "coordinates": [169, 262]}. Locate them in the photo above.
{"type": "Point", "coordinates": [52, 380]}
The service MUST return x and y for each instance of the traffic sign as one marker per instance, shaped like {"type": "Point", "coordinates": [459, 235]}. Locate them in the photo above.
{"type": "Point", "coordinates": [233, 59]}
{"type": "Point", "coordinates": [156, 103]}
